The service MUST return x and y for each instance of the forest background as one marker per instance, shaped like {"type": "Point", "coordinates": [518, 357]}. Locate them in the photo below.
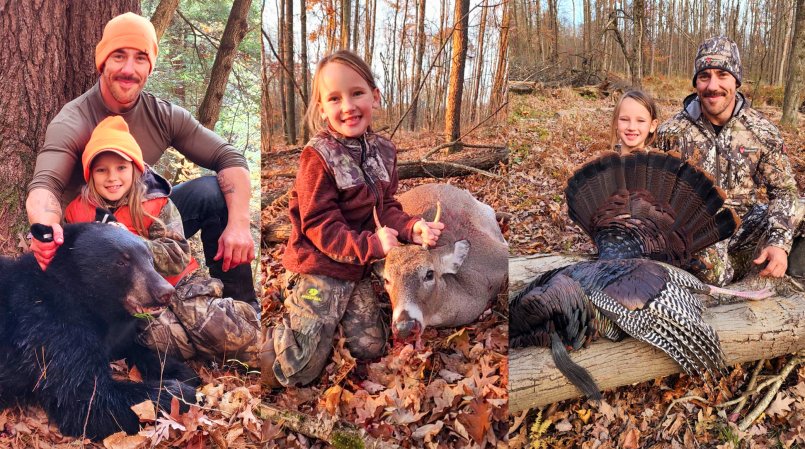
{"type": "Point", "coordinates": [569, 61]}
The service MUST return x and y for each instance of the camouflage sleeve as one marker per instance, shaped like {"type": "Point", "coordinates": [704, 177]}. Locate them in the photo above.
{"type": "Point", "coordinates": [775, 169]}
{"type": "Point", "coordinates": [167, 243]}
{"type": "Point", "coordinates": [669, 135]}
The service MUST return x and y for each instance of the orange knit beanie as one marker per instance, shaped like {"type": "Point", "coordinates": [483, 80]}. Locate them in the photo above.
{"type": "Point", "coordinates": [127, 30]}
{"type": "Point", "coordinates": [112, 134]}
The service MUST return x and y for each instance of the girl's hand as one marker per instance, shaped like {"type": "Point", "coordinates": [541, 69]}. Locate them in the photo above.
{"type": "Point", "coordinates": [427, 232]}
{"type": "Point", "coordinates": [388, 238]}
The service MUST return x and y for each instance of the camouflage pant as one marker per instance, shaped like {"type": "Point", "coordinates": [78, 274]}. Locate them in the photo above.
{"type": "Point", "coordinates": [314, 305]}
{"type": "Point", "coordinates": [731, 260]}
{"type": "Point", "coordinates": [199, 322]}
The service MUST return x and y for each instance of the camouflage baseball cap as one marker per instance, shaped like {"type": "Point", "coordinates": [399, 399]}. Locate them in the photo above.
{"type": "Point", "coordinates": [718, 52]}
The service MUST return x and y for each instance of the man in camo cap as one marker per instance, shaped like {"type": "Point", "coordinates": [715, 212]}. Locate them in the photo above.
{"type": "Point", "coordinates": [718, 131]}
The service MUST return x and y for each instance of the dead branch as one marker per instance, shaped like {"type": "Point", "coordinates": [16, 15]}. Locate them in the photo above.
{"type": "Point", "coordinates": [336, 433]}
{"type": "Point", "coordinates": [775, 387]}
{"type": "Point", "coordinates": [748, 332]}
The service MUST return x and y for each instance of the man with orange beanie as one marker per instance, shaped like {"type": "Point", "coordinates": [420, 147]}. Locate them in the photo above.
{"type": "Point", "coordinates": [219, 208]}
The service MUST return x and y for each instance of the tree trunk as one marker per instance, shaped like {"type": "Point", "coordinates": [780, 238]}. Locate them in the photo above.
{"type": "Point", "coordinates": [290, 94]}
{"type": "Point", "coordinates": [369, 32]}
{"type": "Point", "coordinates": [355, 17]}
{"type": "Point", "coordinates": [420, 53]}
{"type": "Point", "coordinates": [304, 63]}
{"type": "Point", "coordinates": [163, 15]}
{"type": "Point", "coordinates": [236, 27]}
{"type": "Point", "coordinates": [47, 59]}
{"type": "Point", "coordinates": [499, 84]}
{"type": "Point", "coordinates": [452, 119]}
{"type": "Point", "coordinates": [265, 101]}
{"type": "Point", "coordinates": [796, 70]}
{"type": "Point", "coordinates": [479, 63]}
{"type": "Point", "coordinates": [748, 331]}
{"type": "Point", "coordinates": [346, 11]}
{"type": "Point", "coordinates": [636, 64]}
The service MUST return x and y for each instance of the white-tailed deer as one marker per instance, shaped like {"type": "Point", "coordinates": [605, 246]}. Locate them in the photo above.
{"type": "Point", "coordinates": [451, 283]}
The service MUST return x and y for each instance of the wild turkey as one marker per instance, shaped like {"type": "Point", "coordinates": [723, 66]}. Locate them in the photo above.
{"type": "Point", "coordinates": [635, 207]}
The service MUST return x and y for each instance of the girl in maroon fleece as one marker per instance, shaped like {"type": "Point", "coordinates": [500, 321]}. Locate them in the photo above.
{"type": "Point", "coordinates": [345, 172]}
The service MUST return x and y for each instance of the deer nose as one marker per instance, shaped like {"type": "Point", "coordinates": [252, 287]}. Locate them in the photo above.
{"type": "Point", "coordinates": [404, 328]}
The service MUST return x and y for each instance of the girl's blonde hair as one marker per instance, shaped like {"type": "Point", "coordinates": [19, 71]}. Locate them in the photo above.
{"type": "Point", "coordinates": [134, 199]}
{"type": "Point", "coordinates": [647, 102]}
{"type": "Point", "coordinates": [349, 59]}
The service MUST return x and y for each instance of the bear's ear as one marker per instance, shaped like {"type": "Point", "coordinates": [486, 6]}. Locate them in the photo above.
{"type": "Point", "coordinates": [72, 232]}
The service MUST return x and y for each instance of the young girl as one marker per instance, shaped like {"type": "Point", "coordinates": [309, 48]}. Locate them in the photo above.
{"type": "Point", "coordinates": [634, 123]}
{"type": "Point", "coordinates": [345, 172]}
{"type": "Point", "coordinates": [121, 188]}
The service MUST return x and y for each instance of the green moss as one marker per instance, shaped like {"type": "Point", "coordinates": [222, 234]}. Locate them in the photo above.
{"type": "Point", "coordinates": [346, 440]}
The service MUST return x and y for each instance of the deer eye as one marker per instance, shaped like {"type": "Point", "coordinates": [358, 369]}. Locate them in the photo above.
{"type": "Point", "coordinates": [429, 275]}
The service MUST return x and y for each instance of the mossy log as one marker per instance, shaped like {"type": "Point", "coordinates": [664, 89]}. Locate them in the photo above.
{"type": "Point", "coordinates": [338, 434]}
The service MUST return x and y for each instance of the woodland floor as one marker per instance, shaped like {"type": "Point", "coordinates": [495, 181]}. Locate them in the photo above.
{"type": "Point", "coordinates": [451, 394]}
{"type": "Point", "coordinates": [553, 131]}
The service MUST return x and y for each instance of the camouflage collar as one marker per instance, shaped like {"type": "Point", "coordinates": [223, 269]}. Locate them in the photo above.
{"type": "Point", "coordinates": [155, 185]}
{"type": "Point", "coordinates": [351, 142]}
{"type": "Point", "coordinates": [693, 109]}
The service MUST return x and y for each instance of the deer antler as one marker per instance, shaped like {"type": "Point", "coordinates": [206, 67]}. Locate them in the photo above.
{"type": "Point", "coordinates": [435, 219]}
{"type": "Point", "coordinates": [377, 220]}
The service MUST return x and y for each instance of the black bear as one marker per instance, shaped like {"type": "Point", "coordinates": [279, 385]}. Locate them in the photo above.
{"type": "Point", "coordinates": [60, 328]}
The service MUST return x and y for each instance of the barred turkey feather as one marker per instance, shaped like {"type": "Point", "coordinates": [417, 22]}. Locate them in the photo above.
{"type": "Point", "coordinates": [648, 213]}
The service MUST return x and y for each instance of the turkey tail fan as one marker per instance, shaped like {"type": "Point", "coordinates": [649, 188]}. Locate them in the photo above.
{"type": "Point", "coordinates": [591, 186]}
{"type": "Point", "coordinates": [648, 204]}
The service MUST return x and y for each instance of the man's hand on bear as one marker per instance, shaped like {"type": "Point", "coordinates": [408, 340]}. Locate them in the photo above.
{"type": "Point", "coordinates": [44, 244]}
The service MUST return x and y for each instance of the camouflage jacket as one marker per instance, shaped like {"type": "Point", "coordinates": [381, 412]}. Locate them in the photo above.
{"type": "Point", "coordinates": [746, 155]}
{"type": "Point", "coordinates": [165, 236]}
{"type": "Point", "coordinates": [339, 181]}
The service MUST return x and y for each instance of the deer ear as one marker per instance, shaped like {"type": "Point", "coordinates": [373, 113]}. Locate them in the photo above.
{"type": "Point", "coordinates": [452, 261]}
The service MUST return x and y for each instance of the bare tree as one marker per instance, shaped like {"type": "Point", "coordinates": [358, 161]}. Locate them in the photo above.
{"type": "Point", "coordinates": [452, 117]}
{"type": "Point", "coordinates": [346, 11]}
{"type": "Point", "coordinates": [498, 86]}
{"type": "Point", "coordinates": [420, 53]}
{"type": "Point", "coordinates": [290, 94]}
{"type": "Point", "coordinates": [304, 62]}
{"type": "Point", "coordinates": [235, 30]}
{"type": "Point", "coordinates": [796, 72]}
{"type": "Point", "coordinates": [479, 58]}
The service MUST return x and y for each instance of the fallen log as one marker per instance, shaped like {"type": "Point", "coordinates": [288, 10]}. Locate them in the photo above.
{"type": "Point", "coordinates": [748, 331]}
{"type": "Point", "coordinates": [480, 160]}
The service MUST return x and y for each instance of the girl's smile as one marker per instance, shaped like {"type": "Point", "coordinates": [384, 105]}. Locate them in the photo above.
{"type": "Point", "coordinates": [112, 174]}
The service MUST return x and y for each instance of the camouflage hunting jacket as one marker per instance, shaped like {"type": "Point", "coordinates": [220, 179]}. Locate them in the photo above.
{"type": "Point", "coordinates": [165, 236]}
{"type": "Point", "coordinates": [745, 157]}
{"type": "Point", "coordinates": [339, 182]}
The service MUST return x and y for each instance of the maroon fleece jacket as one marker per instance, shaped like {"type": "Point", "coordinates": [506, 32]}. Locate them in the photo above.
{"type": "Point", "coordinates": [338, 183]}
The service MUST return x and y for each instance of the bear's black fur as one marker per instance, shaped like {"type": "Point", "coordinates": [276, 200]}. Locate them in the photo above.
{"type": "Point", "coordinates": [60, 328]}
